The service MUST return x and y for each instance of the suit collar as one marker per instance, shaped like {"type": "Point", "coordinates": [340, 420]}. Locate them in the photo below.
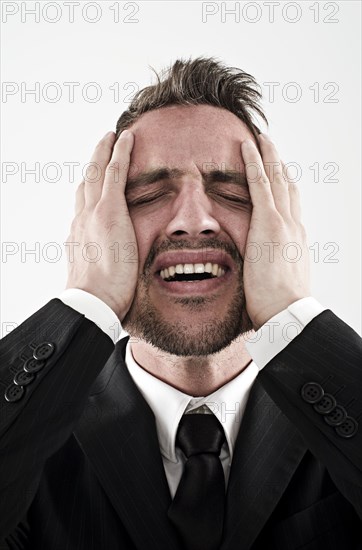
{"type": "Point", "coordinates": [123, 448]}
{"type": "Point", "coordinates": [227, 403]}
{"type": "Point", "coordinates": [161, 397]}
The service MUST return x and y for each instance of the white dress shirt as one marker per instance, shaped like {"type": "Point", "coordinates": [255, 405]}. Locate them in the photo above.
{"type": "Point", "coordinates": [227, 403]}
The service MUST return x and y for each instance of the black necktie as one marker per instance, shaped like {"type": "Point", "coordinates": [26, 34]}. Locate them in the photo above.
{"type": "Point", "coordinates": [197, 510]}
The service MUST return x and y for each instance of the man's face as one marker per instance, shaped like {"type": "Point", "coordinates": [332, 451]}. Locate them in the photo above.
{"type": "Point", "coordinates": [191, 217]}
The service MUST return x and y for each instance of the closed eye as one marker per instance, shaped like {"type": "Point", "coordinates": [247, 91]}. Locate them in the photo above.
{"type": "Point", "coordinates": [146, 199]}
{"type": "Point", "coordinates": [235, 199]}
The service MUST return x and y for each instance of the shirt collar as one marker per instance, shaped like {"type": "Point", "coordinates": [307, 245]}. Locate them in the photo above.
{"type": "Point", "coordinates": [169, 404]}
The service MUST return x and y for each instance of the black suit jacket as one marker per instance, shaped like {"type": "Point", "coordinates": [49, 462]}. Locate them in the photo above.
{"type": "Point", "coordinates": [80, 464]}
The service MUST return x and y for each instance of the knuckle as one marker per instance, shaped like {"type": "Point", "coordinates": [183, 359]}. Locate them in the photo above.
{"type": "Point", "coordinates": [264, 180]}
{"type": "Point", "coordinates": [103, 215]}
{"type": "Point", "coordinates": [108, 216]}
{"type": "Point", "coordinates": [276, 222]}
{"type": "Point", "coordinates": [100, 212]}
{"type": "Point", "coordinates": [76, 225]}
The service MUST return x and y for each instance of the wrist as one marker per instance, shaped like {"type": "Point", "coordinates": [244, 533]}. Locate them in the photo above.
{"type": "Point", "coordinates": [263, 316]}
{"type": "Point", "coordinates": [107, 300]}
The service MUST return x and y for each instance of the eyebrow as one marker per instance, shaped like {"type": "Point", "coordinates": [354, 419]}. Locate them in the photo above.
{"type": "Point", "coordinates": [164, 173]}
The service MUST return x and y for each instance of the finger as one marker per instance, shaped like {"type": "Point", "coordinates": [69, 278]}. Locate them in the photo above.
{"type": "Point", "coordinates": [294, 195]}
{"type": "Point", "coordinates": [94, 175]}
{"type": "Point", "coordinates": [274, 170]}
{"type": "Point", "coordinates": [259, 184]}
{"type": "Point", "coordinates": [286, 173]}
{"type": "Point", "coordinates": [295, 207]}
{"type": "Point", "coordinates": [117, 170]}
{"type": "Point", "coordinates": [79, 199]}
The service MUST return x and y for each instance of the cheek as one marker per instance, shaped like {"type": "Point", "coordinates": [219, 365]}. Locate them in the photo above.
{"type": "Point", "coordinates": [235, 223]}
{"type": "Point", "coordinates": [147, 228]}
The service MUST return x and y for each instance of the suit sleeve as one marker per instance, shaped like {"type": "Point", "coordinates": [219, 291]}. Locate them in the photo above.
{"type": "Point", "coordinates": [47, 367]}
{"type": "Point", "coordinates": [317, 383]}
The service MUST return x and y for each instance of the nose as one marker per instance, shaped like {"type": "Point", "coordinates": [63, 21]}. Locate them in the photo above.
{"type": "Point", "coordinates": [192, 214]}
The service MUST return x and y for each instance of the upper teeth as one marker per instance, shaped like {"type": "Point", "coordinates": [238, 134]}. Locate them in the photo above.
{"type": "Point", "coordinates": [215, 269]}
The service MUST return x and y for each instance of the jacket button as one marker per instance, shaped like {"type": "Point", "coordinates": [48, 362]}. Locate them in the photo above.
{"type": "Point", "coordinates": [326, 404]}
{"type": "Point", "coordinates": [348, 428]}
{"type": "Point", "coordinates": [14, 393]}
{"type": "Point", "coordinates": [23, 378]}
{"type": "Point", "coordinates": [32, 365]}
{"type": "Point", "coordinates": [312, 392]}
{"type": "Point", "coordinates": [337, 416]}
{"type": "Point", "coordinates": [43, 351]}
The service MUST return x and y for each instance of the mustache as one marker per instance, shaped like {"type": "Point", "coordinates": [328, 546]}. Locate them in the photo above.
{"type": "Point", "coordinates": [212, 243]}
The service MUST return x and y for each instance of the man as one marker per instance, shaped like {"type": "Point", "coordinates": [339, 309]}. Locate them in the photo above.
{"type": "Point", "coordinates": [187, 231]}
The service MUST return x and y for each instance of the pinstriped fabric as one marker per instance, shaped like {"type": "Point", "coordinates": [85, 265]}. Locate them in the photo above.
{"type": "Point", "coordinates": [268, 451]}
{"type": "Point", "coordinates": [52, 403]}
{"type": "Point", "coordinates": [83, 469]}
{"type": "Point", "coordinates": [74, 511]}
{"type": "Point", "coordinates": [317, 355]}
{"type": "Point", "coordinates": [124, 451]}
{"type": "Point", "coordinates": [329, 522]}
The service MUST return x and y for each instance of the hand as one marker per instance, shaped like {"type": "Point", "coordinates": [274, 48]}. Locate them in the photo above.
{"type": "Point", "coordinates": [104, 260]}
{"type": "Point", "coordinates": [275, 274]}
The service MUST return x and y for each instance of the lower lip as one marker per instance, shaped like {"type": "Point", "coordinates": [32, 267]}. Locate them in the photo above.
{"type": "Point", "coordinates": [194, 287]}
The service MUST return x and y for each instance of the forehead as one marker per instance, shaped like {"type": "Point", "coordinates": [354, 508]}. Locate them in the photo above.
{"type": "Point", "coordinates": [188, 136]}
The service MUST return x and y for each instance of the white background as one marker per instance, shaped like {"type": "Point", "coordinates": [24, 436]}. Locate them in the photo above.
{"type": "Point", "coordinates": [318, 48]}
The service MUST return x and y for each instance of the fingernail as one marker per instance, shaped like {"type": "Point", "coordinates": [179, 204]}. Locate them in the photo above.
{"type": "Point", "coordinates": [265, 136]}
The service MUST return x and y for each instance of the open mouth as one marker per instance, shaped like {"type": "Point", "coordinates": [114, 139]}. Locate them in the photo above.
{"type": "Point", "coordinates": [192, 272]}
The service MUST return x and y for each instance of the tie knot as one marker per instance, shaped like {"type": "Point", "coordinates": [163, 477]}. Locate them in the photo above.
{"type": "Point", "coordinates": [200, 433]}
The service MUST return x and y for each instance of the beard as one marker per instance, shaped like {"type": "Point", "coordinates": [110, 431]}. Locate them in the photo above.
{"type": "Point", "coordinates": [145, 321]}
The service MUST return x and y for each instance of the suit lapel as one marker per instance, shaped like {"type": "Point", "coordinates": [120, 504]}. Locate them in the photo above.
{"type": "Point", "coordinates": [121, 443]}
{"type": "Point", "coordinates": [267, 452]}
{"type": "Point", "coordinates": [123, 448]}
